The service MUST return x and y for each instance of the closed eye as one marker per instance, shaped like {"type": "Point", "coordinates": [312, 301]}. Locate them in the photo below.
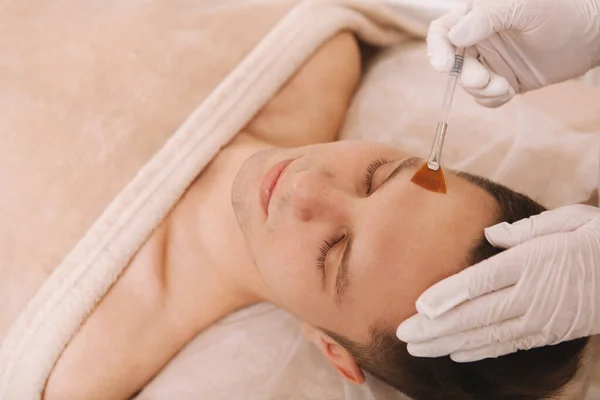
{"type": "Point", "coordinates": [325, 247]}
{"type": "Point", "coordinates": [370, 173]}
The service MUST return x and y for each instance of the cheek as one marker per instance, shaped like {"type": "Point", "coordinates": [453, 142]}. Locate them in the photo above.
{"type": "Point", "coordinates": [286, 269]}
{"type": "Point", "coordinates": [290, 274]}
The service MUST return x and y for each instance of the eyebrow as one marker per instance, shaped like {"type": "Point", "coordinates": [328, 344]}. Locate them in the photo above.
{"type": "Point", "coordinates": [404, 165]}
{"type": "Point", "coordinates": [341, 280]}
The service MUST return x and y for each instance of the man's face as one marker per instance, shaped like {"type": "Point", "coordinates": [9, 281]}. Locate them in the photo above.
{"type": "Point", "coordinates": [342, 250]}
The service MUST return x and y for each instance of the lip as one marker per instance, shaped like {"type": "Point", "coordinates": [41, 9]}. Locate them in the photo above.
{"type": "Point", "coordinates": [269, 183]}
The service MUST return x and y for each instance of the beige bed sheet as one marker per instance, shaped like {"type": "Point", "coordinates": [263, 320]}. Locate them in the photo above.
{"type": "Point", "coordinates": [546, 144]}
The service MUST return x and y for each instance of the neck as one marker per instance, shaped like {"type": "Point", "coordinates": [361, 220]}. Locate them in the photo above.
{"type": "Point", "coordinates": [206, 251]}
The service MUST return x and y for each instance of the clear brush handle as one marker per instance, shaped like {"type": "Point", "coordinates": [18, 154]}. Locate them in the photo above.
{"type": "Point", "coordinates": [440, 132]}
{"type": "Point", "coordinates": [459, 58]}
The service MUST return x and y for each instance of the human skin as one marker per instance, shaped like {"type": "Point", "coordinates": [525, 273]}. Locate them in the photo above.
{"type": "Point", "coordinates": [345, 252]}
{"type": "Point", "coordinates": [217, 251]}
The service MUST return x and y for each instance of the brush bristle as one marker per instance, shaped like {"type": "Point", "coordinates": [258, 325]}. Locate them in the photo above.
{"type": "Point", "coordinates": [430, 180]}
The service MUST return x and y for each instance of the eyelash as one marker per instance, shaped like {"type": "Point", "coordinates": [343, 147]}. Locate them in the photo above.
{"type": "Point", "coordinates": [370, 172]}
{"type": "Point", "coordinates": [328, 244]}
{"type": "Point", "coordinates": [325, 247]}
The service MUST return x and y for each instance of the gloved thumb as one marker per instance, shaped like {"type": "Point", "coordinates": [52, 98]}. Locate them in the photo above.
{"type": "Point", "coordinates": [564, 219]}
{"type": "Point", "coordinates": [478, 25]}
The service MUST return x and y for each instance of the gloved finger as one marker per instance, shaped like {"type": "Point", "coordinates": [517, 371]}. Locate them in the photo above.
{"type": "Point", "coordinates": [493, 274]}
{"type": "Point", "coordinates": [494, 102]}
{"type": "Point", "coordinates": [484, 311]}
{"type": "Point", "coordinates": [473, 339]}
{"type": "Point", "coordinates": [474, 75]}
{"type": "Point", "coordinates": [439, 49]}
{"type": "Point", "coordinates": [564, 219]}
{"type": "Point", "coordinates": [499, 349]}
{"type": "Point", "coordinates": [497, 87]}
{"type": "Point", "coordinates": [491, 56]}
{"type": "Point", "coordinates": [479, 24]}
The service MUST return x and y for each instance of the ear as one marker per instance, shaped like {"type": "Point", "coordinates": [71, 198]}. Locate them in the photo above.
{"type": "Point", "coordinates": [338, 356]}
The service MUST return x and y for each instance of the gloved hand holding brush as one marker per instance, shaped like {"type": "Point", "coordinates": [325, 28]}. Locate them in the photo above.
{"type": "Point", "coordinates": [514, 46]}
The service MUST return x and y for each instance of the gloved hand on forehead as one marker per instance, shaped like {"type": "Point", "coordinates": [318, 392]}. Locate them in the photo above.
{"type": "Point", "coordinates": [514, 46]}
{"type": "Point", "coordinates": [543, 290]}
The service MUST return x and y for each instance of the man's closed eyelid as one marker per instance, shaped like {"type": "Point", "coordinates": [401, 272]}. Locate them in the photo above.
{"type": "Point", "coordinates": [390, 168]}
{"type": "Point", "coordinates": [333, 259]}
{"type": "Point", "coordinates": [402, 166]}
{"type": "Point", "coordinates": [333, 255]}
{"type": "Point", "coordinates": [339, 249]}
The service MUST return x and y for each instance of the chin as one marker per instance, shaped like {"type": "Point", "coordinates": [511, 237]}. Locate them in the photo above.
{"type": "Point", "coordinates": [245, 189]}
{"type": "Point", "coordinates": [239, 197]}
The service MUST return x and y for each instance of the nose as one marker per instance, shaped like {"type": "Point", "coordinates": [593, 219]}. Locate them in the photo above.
{"type": "Point", "coordinates": [314, 195]}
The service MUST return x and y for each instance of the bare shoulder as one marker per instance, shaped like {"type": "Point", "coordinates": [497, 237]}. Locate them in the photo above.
{"type": "Point", "coordinates": [312, 105]}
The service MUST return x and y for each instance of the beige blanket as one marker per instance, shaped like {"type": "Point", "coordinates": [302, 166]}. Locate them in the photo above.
{"type": "Point", "coordinates": [108, 110]}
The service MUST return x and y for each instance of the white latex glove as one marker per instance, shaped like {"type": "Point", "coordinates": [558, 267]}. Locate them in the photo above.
{"type": "Point", "coordinates": [517, 45]}
{"type": "Point", "coordinates": [543, 290]}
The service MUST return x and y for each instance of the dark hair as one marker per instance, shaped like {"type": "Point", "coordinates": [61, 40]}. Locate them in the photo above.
{"type": "Point", "coordinates": [525, 375]}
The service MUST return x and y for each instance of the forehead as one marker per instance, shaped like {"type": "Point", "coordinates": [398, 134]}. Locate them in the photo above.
{"type": "Point", "coordinates": [409, 239]}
